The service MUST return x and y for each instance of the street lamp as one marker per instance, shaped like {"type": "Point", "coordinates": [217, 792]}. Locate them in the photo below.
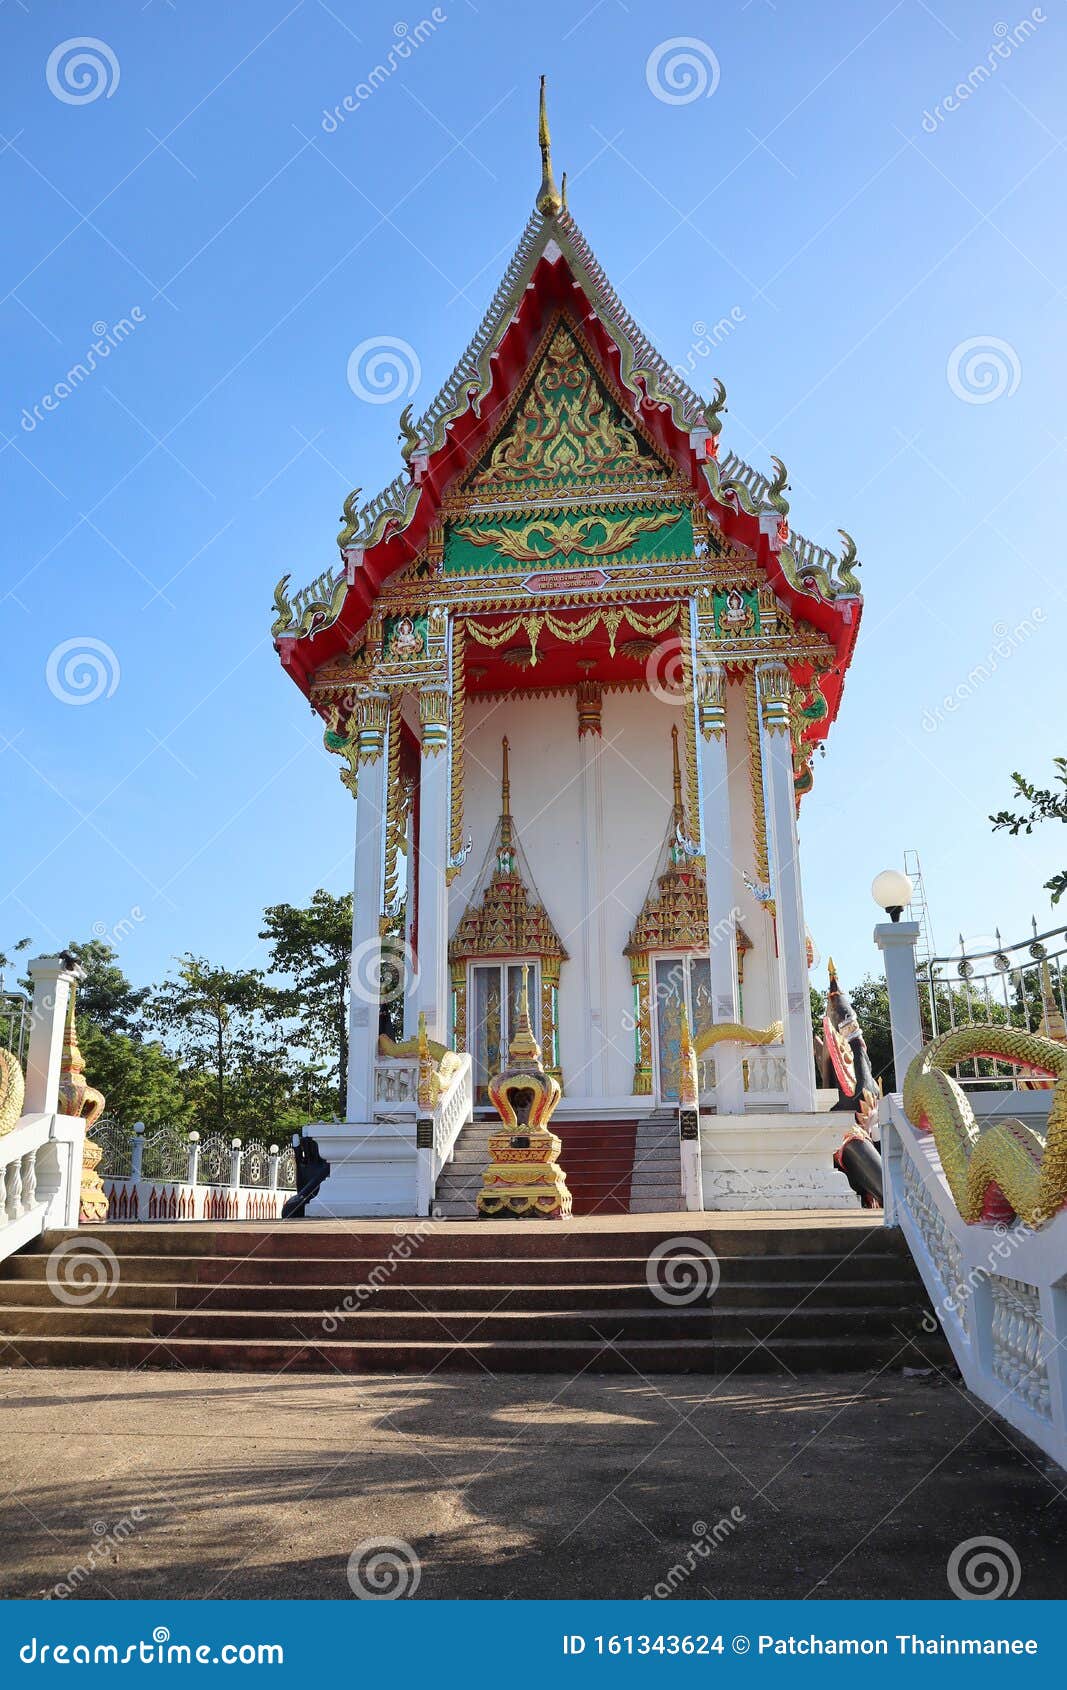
{"type": "Point", "coordinates": [892, 890]}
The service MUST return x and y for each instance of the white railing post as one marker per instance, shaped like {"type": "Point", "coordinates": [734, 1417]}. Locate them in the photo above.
{"type": "Point", "coordinates": [689, 1146]}
{"type": "Point", "coordinates": [52, 979]}
{"type": "Point", "coordinates": [137, 1150]}
{"type": "Point", "coordinates": [897, 940]}
{"type": "Point", "coordinates": [273, 1158]}
{"type": "Point", "coordinates": [193, 1169]}
{"type": "Point", "coordinates": [235, 1161]}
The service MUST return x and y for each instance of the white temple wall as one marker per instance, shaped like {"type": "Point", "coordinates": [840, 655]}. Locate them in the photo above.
{"type": "Point", "coordinates": [546, 802]}
{"type": "Point", "coordinates": [635, 803]}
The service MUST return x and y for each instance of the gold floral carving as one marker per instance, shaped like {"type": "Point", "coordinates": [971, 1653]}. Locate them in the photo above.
{"type": "Point", "coordinates": [558, 539]}
{"type": "Point", "coordinates": [564, 429]}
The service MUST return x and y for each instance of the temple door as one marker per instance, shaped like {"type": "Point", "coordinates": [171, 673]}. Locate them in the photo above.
{"type": "Point", "coordinates": [493, 995]}
{"type": "Point", "coordinates": [681, 980]}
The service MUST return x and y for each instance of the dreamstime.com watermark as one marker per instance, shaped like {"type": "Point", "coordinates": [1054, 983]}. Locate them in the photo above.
{"type": "Point", "coordinates": [81, 1270]}
{"type": "Point", "coordinates": [983, 369]}
{"type": "Point", "coordinates": [155, 1651]}
{"type": "Point", "coordinates": [1007, 40]}
{"type": "Point", "coordinates": [706, 338]}
{"type": "Point", "coordinates": [81, 670]}
{"type": "Point", "coordinates": [680, 1271]}
{"type": "Point", "coordinates": [121, 929]}
{"type": "Point", "coordinates": [82, 69]}
{"type": "Point", "coordinates": [383, 972]}
{"type": "Point", "coordinates": [383, 1569]}
{"type": "Point", "coordinates": [1007, 641]}
{"type": "Point", "coordinates": [384, 370]}
{"type": "Point", "coordinates": [706, 1539]}
{"type": "Point", "coordinates": [681, 70]}
{"type": "Point", "coordinates": [108, 336]}
{"type": "Point", "coordinates": [407, 42]}
{"type": "Point", "coordinates": [409, 1239]}
{"type": "Point", "coordinates": [103, 1552]}
{"type": "Point", "coordinates": [983, 1569]}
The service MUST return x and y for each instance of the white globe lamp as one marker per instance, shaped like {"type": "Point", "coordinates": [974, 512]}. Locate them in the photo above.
{"type": "Point", "coordinates": [892, 890]}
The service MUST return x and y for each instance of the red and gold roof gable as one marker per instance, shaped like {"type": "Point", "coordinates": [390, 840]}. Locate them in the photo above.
{"type": "Point", "coordinates": [486, 444]}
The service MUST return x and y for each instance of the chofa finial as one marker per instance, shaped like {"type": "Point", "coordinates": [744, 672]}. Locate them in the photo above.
{"type": "Point", "coordinates": [549, 199]}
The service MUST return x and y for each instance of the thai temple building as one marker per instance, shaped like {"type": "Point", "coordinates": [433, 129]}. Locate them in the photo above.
{"type": "Point", "coordinates": [575, 663]}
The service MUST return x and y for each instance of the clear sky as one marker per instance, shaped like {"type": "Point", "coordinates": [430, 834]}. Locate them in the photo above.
{"type": "Point", "coordinates": [869, 242]}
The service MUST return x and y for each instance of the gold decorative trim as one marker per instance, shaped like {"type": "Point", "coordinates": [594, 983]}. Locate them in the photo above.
{"type": "Point", "coordinates": [755, 779]}
{"type": "Point", "coordinates": [394, 810]}
{"type": "Point", "coordinates": [694, 828]}
{"type": "Point", "coordinates": [459, 701]}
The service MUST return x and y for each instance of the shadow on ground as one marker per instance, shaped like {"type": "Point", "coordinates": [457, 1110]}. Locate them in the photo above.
{"type": "Point", "coordinates": [520, 1486]}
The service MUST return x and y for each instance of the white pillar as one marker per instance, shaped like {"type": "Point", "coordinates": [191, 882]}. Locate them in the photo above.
{"type": "Point", "coordinates": [52, 980]}
{"type": "Point", "coordinates": [367, 887]}
{"type": "Point", "coordinates": [897, 940]}
{"type": "Point", "coordinates": [432, 987]}
{"type": "Point", "coordinates": [719, 860]}
{"type": "Point", "coordinates": [775, 686]}
{"type": "Point", "coordinates": [592, 1056]}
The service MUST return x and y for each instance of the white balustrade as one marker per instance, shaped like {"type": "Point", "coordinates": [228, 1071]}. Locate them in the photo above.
{"type": "Point", "coordinates": [454, 1109]}
{"type": "Point", "coordinates": [997, 1290]}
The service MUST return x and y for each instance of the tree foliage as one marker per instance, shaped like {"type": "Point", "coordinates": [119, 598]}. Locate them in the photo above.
{"type": "Point", "coordinates": [311, 946]}
{"type": "Point", "coordinates": [1044, 804]}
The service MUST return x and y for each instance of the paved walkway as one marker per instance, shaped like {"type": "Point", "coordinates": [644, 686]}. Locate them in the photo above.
{"type": "Point", "coordinates": [197, 1485]}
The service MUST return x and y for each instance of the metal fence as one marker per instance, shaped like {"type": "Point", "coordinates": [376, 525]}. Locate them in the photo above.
{"type": "Point", "coordinates": [1020, 985]}
{"type": "Point", "coordinates": [166, 1157]}
{"type": "Point", "coordinates": [15, 1018]}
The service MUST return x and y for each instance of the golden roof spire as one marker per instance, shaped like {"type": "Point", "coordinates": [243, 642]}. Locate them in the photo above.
{"type": "Point", "coordinates": [549, 200]}
{"type": "Point", "coordinates": [678, 811]}
{"type": "Point", "coordinates": [524, 1046]}
{"type": "Point", "coordinates": [563, 191]}
{"type": "Point", "coordinates": [504, 854]}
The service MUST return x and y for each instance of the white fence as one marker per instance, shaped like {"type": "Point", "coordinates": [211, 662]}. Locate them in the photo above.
{"type": "Point", "coordinates": [998, 1290]}
{"type": "Point", "coordinates": [171, 1175]}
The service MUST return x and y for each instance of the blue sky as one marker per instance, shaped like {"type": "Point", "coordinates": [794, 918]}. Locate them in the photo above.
{"type": "Point", "coordinates": [866, 239]}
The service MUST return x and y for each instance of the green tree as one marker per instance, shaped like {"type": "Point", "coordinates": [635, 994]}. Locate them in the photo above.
{"type": "Point", "coordinates": [311, 946]}
{"type": "Point", "coordinates": [1045, 804]}
{"type": "Point", "coordinates": [215, 1017]}
{"type": "Point", "coordinates": [105, 995]}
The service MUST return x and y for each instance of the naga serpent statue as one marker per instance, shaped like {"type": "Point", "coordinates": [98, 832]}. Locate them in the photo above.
{"type": "Point", "coordinates": [1007, 1168]}
{"type": "Point", "coordinates": [12, 1091]}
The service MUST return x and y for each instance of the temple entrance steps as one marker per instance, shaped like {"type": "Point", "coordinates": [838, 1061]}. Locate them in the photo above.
{"type": "Point", "coordinates": [612, 1167]}
{"type": "Point", "coordinates": [752, 1293]}
{"type": "Point", "coordinates": [656, 1183]}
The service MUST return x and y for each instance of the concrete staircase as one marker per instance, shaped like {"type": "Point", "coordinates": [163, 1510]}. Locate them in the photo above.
{"type": "Point", "coordinates": [365, 1297]}
{"type": "Point", "coordinates": [599, 1158]}
{"type": "Point", "coordinates": [656, 1182]}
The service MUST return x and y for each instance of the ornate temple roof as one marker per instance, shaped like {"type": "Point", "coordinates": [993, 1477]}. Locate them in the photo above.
{"type": "Point", "coordinates": [554, 272]}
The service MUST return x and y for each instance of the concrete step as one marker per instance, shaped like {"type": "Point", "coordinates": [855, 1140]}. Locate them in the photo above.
{"type": "Point", "coordinates": [895, 1294]}
{"type": "Point", "coordinates": [698, 1356]}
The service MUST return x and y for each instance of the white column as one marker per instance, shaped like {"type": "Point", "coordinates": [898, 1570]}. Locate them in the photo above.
{"type": "Point", "coordinates": [719, 860]}
{"type": "Point", "coordinates": [897, 940]}
{"type": "Point", "coordinates": [432, 990]}
{"type": "Point", "coordinates": [52, 978]}
{"type": "Point", "coordinates": [367, 886]}
{"type": "Point", "coordinates": [592, 1057]}
{"type": "Point", "coordinates": [775, 688]}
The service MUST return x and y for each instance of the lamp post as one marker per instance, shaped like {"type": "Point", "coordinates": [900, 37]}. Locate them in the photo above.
{"type": "Point", "coordinates": [896, 940]}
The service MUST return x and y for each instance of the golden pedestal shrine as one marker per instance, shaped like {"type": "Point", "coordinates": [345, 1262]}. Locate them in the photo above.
{"type": "Point", "coordinates": [524, 1180]}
